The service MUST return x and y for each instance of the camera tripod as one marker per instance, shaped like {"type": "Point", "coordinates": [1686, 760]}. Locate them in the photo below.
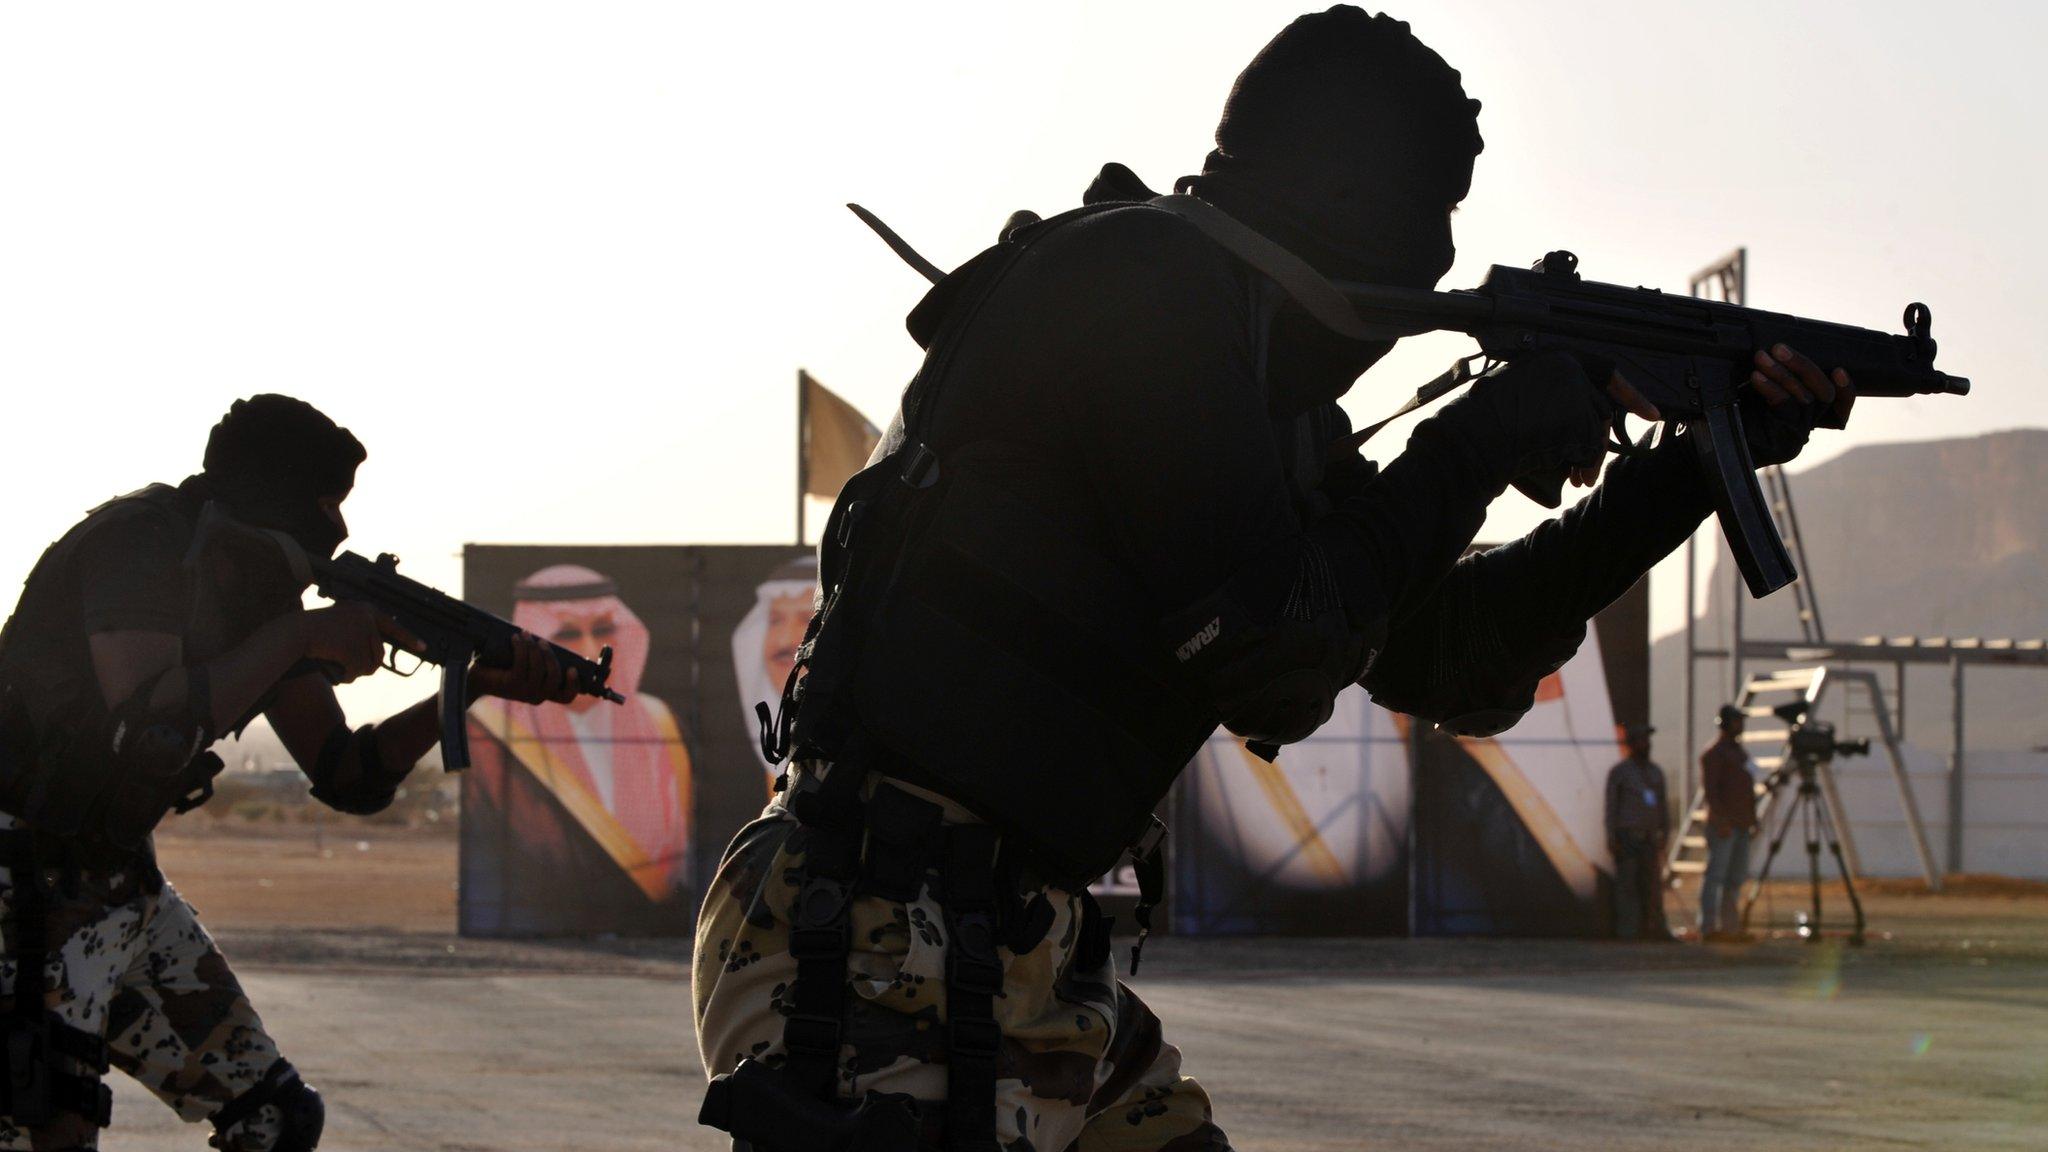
{"type": "Point", "coordinates": [1810, 811]}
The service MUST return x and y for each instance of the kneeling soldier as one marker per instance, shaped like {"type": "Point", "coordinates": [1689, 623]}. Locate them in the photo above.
{"type": "Point", "coordinates": [162, 621]}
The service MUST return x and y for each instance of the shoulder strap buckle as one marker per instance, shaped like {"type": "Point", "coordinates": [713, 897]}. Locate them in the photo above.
{"type": "Point", "coordinates": [920, 465]}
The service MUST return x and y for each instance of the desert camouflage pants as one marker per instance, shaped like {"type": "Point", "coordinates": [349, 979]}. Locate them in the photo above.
{"type": "Point", "coordinates": [1082, 1066]}
{"type": "Point", "coordinates": [137, 968]}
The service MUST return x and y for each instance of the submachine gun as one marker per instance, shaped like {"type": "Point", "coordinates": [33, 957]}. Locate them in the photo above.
{"type": "Point", "coordinates": [454, 633]}
{"type": "Point", "coordinates": [1689, 357]}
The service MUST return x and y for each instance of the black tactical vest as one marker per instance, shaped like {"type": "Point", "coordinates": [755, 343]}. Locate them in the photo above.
{"type": "Point", "coordinates": [983, 644]}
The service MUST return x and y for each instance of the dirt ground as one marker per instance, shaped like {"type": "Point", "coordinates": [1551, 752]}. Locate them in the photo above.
{"type": "Point", "coordinates": [1933, 1035]}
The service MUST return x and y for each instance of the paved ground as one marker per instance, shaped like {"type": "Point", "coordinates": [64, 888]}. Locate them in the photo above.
{"type": "Point", "coordinates": [1783, 1047]}
{"type": "Point", "coordinates": [1936, 1037]}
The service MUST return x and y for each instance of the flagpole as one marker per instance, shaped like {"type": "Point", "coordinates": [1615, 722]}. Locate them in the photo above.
{"type": "Point", "coordinates": [803, 456]}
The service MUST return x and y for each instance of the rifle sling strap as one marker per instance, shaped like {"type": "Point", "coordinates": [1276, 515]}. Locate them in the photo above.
{"type": "Point", "coordinates": [974, 977]}
{"type": "Point", "coordinates": [821, 922]}
{"type": "Point", "coordinates": [886, 846]}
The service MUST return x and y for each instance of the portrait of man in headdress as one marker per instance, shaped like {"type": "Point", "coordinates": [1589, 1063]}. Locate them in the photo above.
{"type": "Point", "coordinates": [584, 782]}
{"type": "Point", "coordinates": [764, 643]}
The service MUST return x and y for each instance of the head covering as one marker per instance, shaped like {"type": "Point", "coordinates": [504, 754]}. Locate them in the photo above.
{"type": "Point", "coordinates": [1347, 140]}
{"type": "Point", "coordinates": [622, 753]}
{"type": "Point", "coordinates": [272, 459]}
{"type": "Point", "coordinates": [544, 600]}
{"type": "Point", "coordinates": [795, 577]}
{"type": "Point", "coordinates": [1729, 714]}
{"type": "Point", "coordinates": [1634, 732]}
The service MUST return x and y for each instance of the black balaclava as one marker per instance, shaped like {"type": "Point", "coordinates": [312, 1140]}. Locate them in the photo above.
{"type": "Point", "coordinates": [1347, 141]}
{"type": "Point", "coordinates": [272, 459]}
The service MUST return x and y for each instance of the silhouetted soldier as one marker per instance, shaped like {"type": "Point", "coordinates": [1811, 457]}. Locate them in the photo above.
{"type": "Point", "coordinates": [1118, 509]}
{"type": "Point", "coordinates": [165, 620]}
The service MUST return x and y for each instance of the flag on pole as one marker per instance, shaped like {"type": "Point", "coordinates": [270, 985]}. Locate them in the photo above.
{"type": "Point", "coordinates": [833, 442]}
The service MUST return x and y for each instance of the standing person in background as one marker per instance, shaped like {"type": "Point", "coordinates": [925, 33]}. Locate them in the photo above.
{"type": "Point", "coordinates": [1729, 777]}
{"type": "Point", "coordinates": [1638, 827]}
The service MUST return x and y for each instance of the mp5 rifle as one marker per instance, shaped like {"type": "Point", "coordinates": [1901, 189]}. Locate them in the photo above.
{"type": "Point", "coordinates": [454, 633]}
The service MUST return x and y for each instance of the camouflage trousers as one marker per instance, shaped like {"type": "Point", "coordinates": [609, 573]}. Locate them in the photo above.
{"type": "Point", "coordinates": [1083, 1066]}
{"type": "Point", "coordinates": [135, 967]}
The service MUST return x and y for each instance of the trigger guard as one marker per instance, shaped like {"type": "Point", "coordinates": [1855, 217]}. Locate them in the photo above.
{"type": "Point", "coordinates": [390, 663]}
{"type": "Point", "coordinates": [1621, 445]}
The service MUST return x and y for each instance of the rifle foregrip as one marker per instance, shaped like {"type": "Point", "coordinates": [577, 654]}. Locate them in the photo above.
{"type": "Point", "coordinates": [454, 702]}
{"type": "Point", "coordinates": [1739, 502]}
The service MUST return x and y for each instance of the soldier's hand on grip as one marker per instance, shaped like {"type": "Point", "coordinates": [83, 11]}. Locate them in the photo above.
{"type": "Point", "coordinates": [1788, 397]}
{"type": "Point", "coordinates": [350, 637]}
{"type": "Point", "coordinates": [535, 675]}
{"type": "Point", "coordinates": [1542, 422]}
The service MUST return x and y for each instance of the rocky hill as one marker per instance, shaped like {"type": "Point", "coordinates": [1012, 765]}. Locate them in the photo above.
{"type": "Point", "coordinates": [1942, 538]}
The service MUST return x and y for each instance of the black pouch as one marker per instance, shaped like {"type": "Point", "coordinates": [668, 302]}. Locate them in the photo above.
{"type": "Point", "coordinates": [764, 1112]}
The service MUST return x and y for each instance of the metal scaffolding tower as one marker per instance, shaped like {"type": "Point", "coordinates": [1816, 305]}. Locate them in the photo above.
{"type": "Point", "coordinates": [1728, 279]}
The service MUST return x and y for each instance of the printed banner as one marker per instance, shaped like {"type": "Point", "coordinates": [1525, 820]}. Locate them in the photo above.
{"type": "Point", "coordinates": [601, 818]}
{"type": "Point", "coordinates": [593, 817]}
{"type": "Point", "coordinates": [1371, 827]}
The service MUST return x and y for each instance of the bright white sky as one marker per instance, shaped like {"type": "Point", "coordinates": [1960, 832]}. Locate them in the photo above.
{"type": "Point", "coordinates": [557, 264]}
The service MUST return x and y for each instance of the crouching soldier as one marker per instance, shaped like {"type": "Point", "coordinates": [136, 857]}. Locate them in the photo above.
{"type": "Point", "coordinates": [162, 621]}
{"type": "Point", "coordinates": [1121, 507]}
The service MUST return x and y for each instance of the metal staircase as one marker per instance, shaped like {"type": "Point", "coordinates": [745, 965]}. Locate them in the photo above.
{"type": "Point", "coordinates": [1765, 734]}
{"type": "Point", "coordinates": [1765, 731]}
{"type": "Point", "coordinates": [1764, 692]}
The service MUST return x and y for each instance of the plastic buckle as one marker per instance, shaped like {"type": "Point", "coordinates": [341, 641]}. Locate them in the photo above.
{"type": "Point", "coordinates": [976, 977]}
{"type": "Point", "coordinates": [1149, 843]}
{"type": "Point", "coordinates": [28, 1076]}
{"type": "Point", "coordinates": [974, 936]}
{"type": "Point", "coordinates": [921, 469]}
{"type": "Point", "coordinates": [820, 904]}
{"type": "Point", "coordinates": [808, 802]}
{"type": "Point", "coordinates": [855, 511]}
{"type": "Point", "coordinates": [974, 966]}
{"type": "Point", "coordinates": [85, 1047]}
{"type": "Point", "coordinates": [194, 798]}
{"type": "Point", "coordinates": [811, 1034]}
{"type": "Point", "coordinates": [23, 1055]}
{"type": "Point", "coordinates": [807, 944]}
{"type": "Point", "coordinates": [974, 1039]}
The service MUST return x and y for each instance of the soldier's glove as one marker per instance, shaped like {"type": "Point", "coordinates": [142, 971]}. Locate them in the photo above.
{"type": "Point", "coordinates": [1531, 423]}
{"type": "Point", "coordinates": [1787, 397]}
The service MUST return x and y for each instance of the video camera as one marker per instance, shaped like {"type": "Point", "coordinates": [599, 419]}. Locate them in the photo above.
{"type": "Point", "coordinates": [1812, 742]}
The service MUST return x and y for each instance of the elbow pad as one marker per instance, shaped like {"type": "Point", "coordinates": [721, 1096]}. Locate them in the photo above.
{"type": "Point", "coordinates": [349, 776]}
{"type": "Point", "coordinates": [1272, 648]}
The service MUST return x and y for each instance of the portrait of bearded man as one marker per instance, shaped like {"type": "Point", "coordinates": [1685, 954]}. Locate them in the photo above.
{"type": "Point", "coordinates": [579, 787]}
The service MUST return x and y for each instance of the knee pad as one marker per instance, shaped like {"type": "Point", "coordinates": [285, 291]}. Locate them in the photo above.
{"type": "Point", "coordinates": [301, 1115]}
